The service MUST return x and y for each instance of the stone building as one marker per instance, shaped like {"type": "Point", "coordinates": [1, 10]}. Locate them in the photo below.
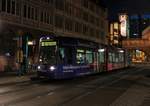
{"type": "Point", "coordinates": [83, 19]}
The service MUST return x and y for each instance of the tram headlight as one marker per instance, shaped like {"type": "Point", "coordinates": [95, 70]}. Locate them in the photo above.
{"type": "Point", "coordinates": [39, 67]}
{"type": "Point", "coordinates": [52, 68]}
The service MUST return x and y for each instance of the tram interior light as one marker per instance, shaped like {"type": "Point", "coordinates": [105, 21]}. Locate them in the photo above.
{"type": "Point", "coordinates": [101, 50]}
{"type": "Point", "coordinates": [121, 51]}
{"type": "Point", "coordinates": [30, 43]}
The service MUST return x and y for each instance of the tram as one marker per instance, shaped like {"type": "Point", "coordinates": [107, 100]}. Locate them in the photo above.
{"type": "Point", "coordinates": [64, 57]}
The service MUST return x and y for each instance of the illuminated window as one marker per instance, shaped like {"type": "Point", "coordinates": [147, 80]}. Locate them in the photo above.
{"type": "Point", "coordinates": [102, 56]}
{"type": "Point", "coordinates": [89, 57]}
{"type": "Point", "coordinates": [80, 56]}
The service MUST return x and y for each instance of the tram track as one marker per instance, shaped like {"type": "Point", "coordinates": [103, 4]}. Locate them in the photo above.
{"type": "Point", "coordinates": [90, 84]}
{"type": "Point", "coordinates": [76, 85]}
{"type": "Point", "coordinates": [99, 86]}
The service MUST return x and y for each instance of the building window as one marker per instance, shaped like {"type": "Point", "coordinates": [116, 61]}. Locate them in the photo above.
{"type": "Point", "coordinates": [17, 9]}
{"type": "Point", "coordinates": [25, 11]}
{"type": "Point", "coordinates": [42, 14]}
{"type": "Point", "coordinates": [45, 17]}
{"type": "Point", "coordinates": [48, 1]}
{"type": "Point", "coordinates": [97, 22]}
{"type": "Point", "coordinates": [36, 14]}
{"type": "Point", "coordinates": [59, 21]}
{"type": "Point", "coordinates": [92, 7]}
{"type": "Point", "coordinates": [85, 29]}
{"type": "Point", "coordinates": [68, 8]}
{"type": "Point", "coordinates": [78, 27]}
{"type": "Point", "coordinates": [29, 12]}
{"type": "Point", "coordinates": [13, 7]}
{"type": "Point", "coordinates": [92, 19]}
{"type": "Point", "coordinates": [68, 24]}
{"type": "Point", "coordinates": [84, 3]}
{"type": "Point", "coordinates": [8, 6]}
{"type": "Point", "coordinates": [85, 16]}
{"type": "Point", "coordinates": [32, 13]}
{"type": "Point", "coordinates": [4, 5]}
{"type": "Point", "coordinates": [97, 33]}
{"type": "Point", "coordinates": [59, 4]}
{"type": "Point", "coordinates": [51, 19]}
{"type": "Point", "coordinates": [92, 32]}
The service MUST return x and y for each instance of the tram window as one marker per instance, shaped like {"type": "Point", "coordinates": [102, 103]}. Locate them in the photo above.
{"type": "Point", "coordinates": [89, 57]}
{"type": "Point", "coordinates": [101, 57]}
{"type": "Point", "coordinates": [113, 58]}
{"type": "Point", "coordinates": [69, 55]}
{"type": "Point", "coordinates": [80, 56]}
{"type": "Point", "coordinates": [121, 57]}
{"type": "Point", "coordinates": [61, 54]}
{"type": "Point", "coordinates": [110, 59]}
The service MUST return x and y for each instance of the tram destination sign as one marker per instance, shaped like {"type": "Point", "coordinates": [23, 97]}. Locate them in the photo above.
{"type": "Point", "coordinates": [48, 43]}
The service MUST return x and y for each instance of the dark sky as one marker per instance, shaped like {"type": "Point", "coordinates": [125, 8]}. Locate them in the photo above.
{"type": "Point", "coordinates": [130, 6]}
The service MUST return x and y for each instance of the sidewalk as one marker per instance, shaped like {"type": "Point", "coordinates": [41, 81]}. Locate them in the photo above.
{"type": "Point", "coordinates": [12, 77]}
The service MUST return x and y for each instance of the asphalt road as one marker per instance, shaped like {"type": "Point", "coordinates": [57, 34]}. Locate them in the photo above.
{"type": "Point", "coordinates": [128, 87]}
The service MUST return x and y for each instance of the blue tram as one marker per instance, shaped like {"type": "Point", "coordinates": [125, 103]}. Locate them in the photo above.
{"type": "Point", "coordinates": [64, 57]}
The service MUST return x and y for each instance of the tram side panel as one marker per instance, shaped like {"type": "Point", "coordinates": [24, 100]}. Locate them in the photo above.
{"type": "Point", "coordinates": [115, 59]}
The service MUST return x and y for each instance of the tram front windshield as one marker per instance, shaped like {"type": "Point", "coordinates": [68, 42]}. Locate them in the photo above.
{"type": "Point", "coordinates": [48, 55]}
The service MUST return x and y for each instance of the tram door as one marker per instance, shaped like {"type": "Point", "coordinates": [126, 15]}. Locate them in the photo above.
{"type": "Point", "coordinates": [102, 59]}
{"type": "Point", "coordinates": [96, 67]}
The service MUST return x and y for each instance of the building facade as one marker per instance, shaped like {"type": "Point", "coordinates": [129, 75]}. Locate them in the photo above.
{"type": "Point", "coordinates": [114, 35]}
{"type": "Point", "coordinates": [138, 23]}
{"type": "Point", "coordinates": [35, 18]}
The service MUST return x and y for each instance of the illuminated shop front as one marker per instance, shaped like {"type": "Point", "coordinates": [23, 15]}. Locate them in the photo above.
{"type": "Point", "coordinates": [138, 56]}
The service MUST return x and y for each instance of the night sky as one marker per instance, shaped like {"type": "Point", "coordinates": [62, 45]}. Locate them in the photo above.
{"type": "Point", "coordinates": [130, 6]}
